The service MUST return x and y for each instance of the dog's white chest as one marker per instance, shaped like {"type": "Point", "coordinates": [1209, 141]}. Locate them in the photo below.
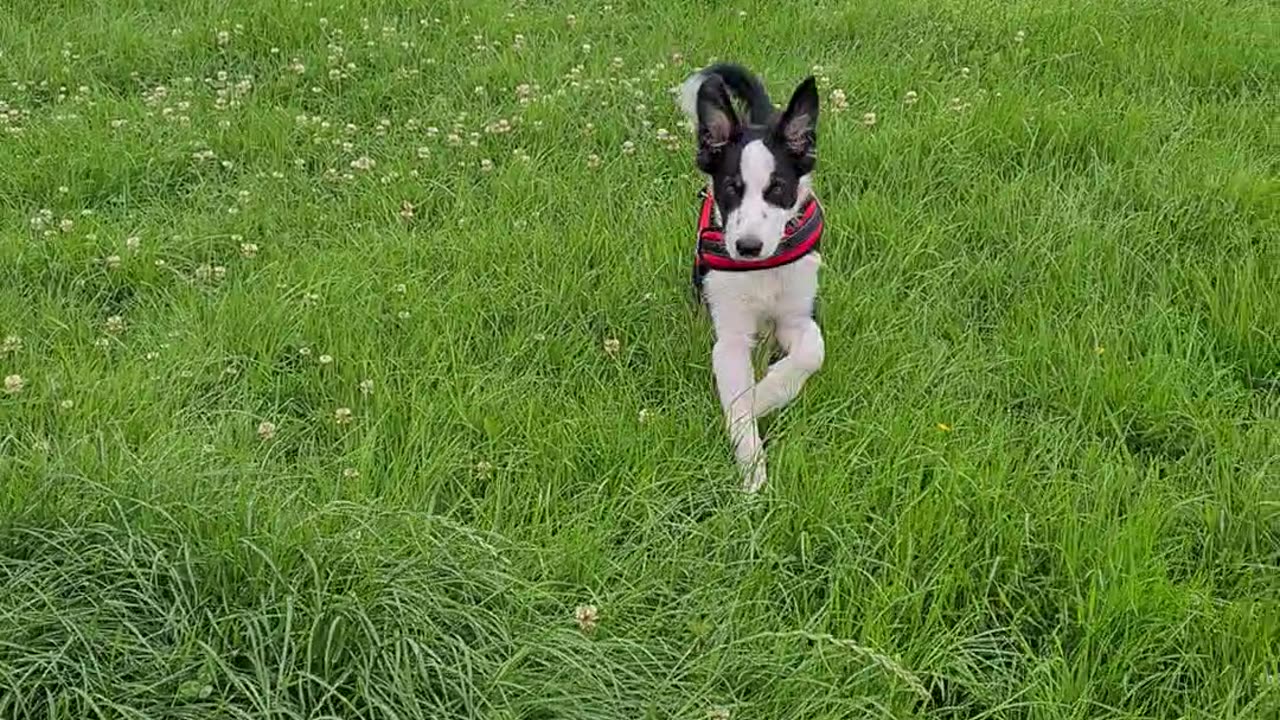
{"type": "Point", "coordinates": [743, 300]}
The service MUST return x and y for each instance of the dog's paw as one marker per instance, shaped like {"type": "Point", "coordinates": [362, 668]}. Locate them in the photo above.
{"type": "Point", "coordinates": [754, 477]}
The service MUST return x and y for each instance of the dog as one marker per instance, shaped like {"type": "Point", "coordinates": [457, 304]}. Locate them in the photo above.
{"type": "Point", "coordinates": [756, 261]}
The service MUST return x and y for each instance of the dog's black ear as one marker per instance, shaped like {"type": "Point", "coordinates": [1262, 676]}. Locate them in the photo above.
{"type": "Point", "coordinates": [717, 121]}
{"type": "Point", "coordinates": [798, 126]}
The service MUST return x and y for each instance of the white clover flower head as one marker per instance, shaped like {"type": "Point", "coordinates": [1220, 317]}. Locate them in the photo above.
{"type": "Point", "coordinates": [266, 430]}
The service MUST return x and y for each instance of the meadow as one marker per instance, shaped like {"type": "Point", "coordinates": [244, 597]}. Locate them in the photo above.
{"type": "Point", "coordinates": [351, 368]}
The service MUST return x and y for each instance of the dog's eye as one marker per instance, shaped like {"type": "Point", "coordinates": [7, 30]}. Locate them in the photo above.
{"type": "Point", "coordinates": [774, 190]}
{"type": "Point", "coordinates": [735, 187]}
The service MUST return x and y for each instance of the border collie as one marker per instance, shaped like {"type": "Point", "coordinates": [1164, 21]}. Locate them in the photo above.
{"type": "Point", "coordinates": [756, 262]}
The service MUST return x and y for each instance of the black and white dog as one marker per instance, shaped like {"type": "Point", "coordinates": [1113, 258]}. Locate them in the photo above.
{"type": "Point", "coordinates": [757, 260]}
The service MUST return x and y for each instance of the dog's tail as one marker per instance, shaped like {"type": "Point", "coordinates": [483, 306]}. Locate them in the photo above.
{"type": "Point", "coordinates": [740, 80]}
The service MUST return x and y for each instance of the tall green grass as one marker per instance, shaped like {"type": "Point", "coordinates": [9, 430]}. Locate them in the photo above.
{"type": "Point", "coordinates": [317, 411]}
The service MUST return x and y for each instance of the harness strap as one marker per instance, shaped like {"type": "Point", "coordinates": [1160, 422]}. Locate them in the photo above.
{"type": "Point", "coordinates": [801, 237]}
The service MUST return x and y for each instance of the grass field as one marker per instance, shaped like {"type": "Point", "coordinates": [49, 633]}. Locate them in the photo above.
{"type": "Point", "coordinates": [352, 370]}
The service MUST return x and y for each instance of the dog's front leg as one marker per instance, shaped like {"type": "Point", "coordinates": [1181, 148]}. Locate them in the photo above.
{"type": "Point", "coordinates": [735, 381]}
{"type": "Point", "coordinates": [801, 339]}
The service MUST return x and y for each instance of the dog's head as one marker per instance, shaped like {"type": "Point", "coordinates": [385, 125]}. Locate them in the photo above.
{"type": "Point", "coordinates": [760, 175]}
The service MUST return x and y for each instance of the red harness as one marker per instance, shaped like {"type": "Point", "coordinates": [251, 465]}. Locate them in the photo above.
{"type": "Point", "coordinates": [801, 237]}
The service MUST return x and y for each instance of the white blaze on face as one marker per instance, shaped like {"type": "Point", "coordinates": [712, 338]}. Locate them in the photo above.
{"type": "Point", "coordinates": [755, 217]}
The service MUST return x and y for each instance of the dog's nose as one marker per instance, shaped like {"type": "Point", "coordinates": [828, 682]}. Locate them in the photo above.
{"type": "Point", "coordinates": [749, 246]}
